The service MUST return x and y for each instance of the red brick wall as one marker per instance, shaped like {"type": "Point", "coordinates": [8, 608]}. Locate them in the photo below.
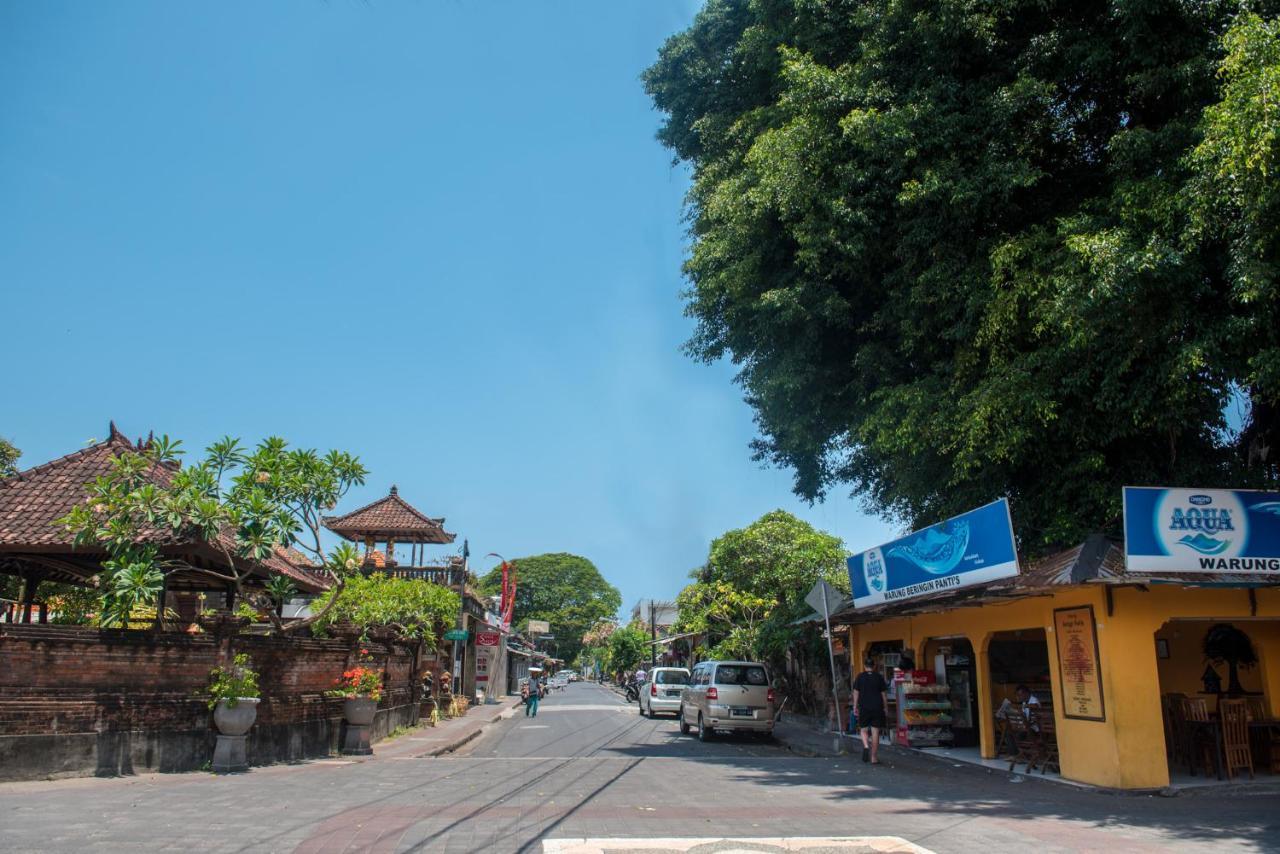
{"type": "Point", "coordinates": [57, 680]}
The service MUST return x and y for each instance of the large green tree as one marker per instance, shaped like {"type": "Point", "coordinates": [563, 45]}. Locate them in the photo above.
{"type": "Point", "coordinates": [961, 251]}
{"type": "Point", "coordinates": [565, 590]}
{"type": "Point", "coordinates": [745, 599]}
{"type": "Point", "coordinates": [8, 458]}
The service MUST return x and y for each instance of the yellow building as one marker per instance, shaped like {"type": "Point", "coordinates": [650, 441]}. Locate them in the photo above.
{"type": "Point", "coordinates": [1034, 629]}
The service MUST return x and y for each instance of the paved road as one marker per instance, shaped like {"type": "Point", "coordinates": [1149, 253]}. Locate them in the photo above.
{"type": "Point", "coordinates": [590, 766]}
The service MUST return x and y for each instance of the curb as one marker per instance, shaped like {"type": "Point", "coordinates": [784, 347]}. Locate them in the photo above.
{"type": "Point", "coordinates": [501, 710]}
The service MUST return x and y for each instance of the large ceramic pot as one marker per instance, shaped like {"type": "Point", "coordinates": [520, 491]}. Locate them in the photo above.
{"type": "Point", "coordinates": [236, 720]}
{"type": "Point", "coordinates": [359, 711]}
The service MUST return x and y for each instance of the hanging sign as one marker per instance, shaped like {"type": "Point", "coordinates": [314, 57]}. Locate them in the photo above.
{"type": "Point", "coordinates": [1077, 639]}
{"type": "Point", "coordinates": [1201, 530]}
{"type": "Point", "coordinates": [488, 638]}
{"type": "Point", "coordinates": [971, 548]}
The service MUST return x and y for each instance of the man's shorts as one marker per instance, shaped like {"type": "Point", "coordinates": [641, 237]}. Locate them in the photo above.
{"type": "Point", "coordinates": [871, 718]}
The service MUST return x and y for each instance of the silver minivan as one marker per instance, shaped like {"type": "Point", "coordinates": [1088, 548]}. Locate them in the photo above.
{"type": "Point", "coordinates": [726, 696]}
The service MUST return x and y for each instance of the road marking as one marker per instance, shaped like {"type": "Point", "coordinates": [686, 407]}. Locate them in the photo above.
{"type": "Point", "coordinates": [536, 726]}
{"type": "Point", "coordinates": [556, 707]}
{"type": "Point", "coordinates": [723, 845]}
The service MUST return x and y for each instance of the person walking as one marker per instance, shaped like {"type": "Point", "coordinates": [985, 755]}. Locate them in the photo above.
{"type": "Point", "coordinates": [535, 692]}
{"type": "Point", "coordinates": [871, 699]}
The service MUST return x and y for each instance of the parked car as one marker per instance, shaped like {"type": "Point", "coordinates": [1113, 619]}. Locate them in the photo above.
{"type": "Point", "coordinates": [662, 693]}
{"type": "Point", "coordinates": [724, 696]}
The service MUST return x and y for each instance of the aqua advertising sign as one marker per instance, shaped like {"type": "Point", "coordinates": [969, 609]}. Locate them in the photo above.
{"type": "Point", "coordinates": [971, 548]}
{"type": "Point", "coordinates": [1201, 530]}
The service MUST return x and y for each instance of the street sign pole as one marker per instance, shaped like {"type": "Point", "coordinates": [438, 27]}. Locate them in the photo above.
{"type": "Point", "coordinates": [825, 592]}
{"type": "Point", "coordinates": [831, 657]}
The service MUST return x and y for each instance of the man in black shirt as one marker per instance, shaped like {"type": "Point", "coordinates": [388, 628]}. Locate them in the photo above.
{"type": "Point", "coordinates": [872, 703]}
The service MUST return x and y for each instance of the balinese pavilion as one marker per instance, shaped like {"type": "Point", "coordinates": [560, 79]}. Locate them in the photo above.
{"type": "Point", "coordinates": [391, 521]}
{"type": "Point", "coordinates": [37, 549]}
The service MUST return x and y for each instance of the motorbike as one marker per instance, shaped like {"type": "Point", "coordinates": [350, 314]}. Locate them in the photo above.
{"type": "Point", "coordinates": [633, 692]}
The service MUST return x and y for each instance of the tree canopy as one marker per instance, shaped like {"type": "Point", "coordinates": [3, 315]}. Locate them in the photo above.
{"type": "Point", "coordinates": [565, 590]}
{"type": "Point", "coordinates": [744, 599]}
{"type": "Point", "coordinates": [961, 251]}
{"type": "Point", "coordinates": [246, 504]}
{"type": "Point", "coordinates": [8, 458]}
{"type": "Point", "coordinates": [412, 608]}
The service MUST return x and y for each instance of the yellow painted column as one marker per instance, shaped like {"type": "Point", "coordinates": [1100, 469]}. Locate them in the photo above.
{"type": "Point", "coordinates": [986, 711]}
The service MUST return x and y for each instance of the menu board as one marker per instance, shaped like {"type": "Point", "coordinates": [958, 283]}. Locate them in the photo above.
{"type": "Point", "coordinates": [1078, 671]}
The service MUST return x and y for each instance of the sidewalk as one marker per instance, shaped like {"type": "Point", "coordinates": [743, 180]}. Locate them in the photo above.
{"type": "Point", "coordinates": [800, 735]}
{"type": "Point", "coordinates": [426, 741]}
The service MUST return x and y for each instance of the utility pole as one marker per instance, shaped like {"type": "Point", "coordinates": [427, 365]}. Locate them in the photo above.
{"type": "Point", "coordinates": [653, 636]}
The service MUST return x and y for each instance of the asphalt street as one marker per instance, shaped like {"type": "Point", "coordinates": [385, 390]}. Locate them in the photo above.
{"type": "Point", "coordinates": [589, 766]}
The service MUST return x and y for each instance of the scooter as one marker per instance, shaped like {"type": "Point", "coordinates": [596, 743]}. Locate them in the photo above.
{"type": "Point", "coordinates": [633, 692]}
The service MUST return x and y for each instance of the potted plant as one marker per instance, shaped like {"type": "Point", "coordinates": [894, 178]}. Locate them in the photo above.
{"type": "Point", "coordinates": [234, 698]}
{"type": "Point", "coordinates": [1224, 643]}
{"type": "Point", "coordinates": [360, 689]}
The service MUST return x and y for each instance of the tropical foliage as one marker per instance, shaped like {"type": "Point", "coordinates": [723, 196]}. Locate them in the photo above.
{"type": "Point", "coordinates": [411, 608]}
{"type": "Point", "coordinates": [628, 648]}
{"type": "Point", "coordinates": [8, 458]}
{"type": "Point", "coordinates": [233, 682]}
{"type": "Point", "coordinates": [961, 251]}
{"type": "Point", "coordinates": [565, 590]}
{"type": "Point", "coordinates": [245, 504]}
{"type": "Point", "coordinates": [359, 682]}
{"type": "Point", "coordinates": [748, 600]}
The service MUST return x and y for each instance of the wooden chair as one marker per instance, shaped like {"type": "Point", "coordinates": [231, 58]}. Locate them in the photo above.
{"type": "Point", "coordinates": [1234, 715]}
{"type": "Point", "coordinates": [1197, 745]}
{"type": "Point", "coordinates": [1024, 741]}
{"type": "Point", "coordinates": [1176, 736]}
{"type": "Point", "coordinates": [1048, 738]}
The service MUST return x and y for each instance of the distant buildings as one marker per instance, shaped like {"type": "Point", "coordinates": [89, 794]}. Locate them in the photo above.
{"type": "Point", "coordinates": [655, 614]}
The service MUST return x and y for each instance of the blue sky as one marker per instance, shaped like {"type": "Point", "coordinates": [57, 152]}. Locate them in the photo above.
{"type": "Point", "coordinates": [438, 234]}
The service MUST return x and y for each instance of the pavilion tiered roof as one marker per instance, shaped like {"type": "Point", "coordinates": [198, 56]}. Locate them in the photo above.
{"type": "Point", "coordinates": [389, 518]}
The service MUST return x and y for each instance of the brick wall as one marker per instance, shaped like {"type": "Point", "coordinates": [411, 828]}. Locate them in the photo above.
{"type": "Point", "coordinates": [79, 701]}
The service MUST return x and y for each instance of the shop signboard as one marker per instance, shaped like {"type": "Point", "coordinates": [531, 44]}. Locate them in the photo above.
{"type": "Point", "coordinates": [1201, 530]}
{"type": "Point", "coordinates": [488, 638]}
{"type": "Point", "coordinates": [1077, 639]}
{"type": "Point", "coordinates": [539, 627]}
{"type": "Point", "coordinates": [972, 548]}
{"type": "Point", "coordinates": [457, 635]}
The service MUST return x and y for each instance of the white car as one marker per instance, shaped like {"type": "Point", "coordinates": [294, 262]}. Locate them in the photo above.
{"type": "Point", "coordinates": [662, 693]}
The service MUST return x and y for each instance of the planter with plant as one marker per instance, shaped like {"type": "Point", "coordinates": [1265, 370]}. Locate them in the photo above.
{"type": "Point", "coordinates": [360, 689]}
{"type": "Point", "coordinates": [234, 698]}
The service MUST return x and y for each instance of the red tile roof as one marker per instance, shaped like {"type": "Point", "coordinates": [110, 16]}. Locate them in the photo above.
{"type": "Point", "coordinates": [389, 517]}
{"type": "Point", "coordinates": [32, 501]}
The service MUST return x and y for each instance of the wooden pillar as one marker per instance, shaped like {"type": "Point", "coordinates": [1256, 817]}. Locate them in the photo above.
{"type": "Point", "coordinates": [231, 597]}
{"type": "Point", "coordinates": [161, 599]}
{"type": "Point", "coordinates": [29, 586]}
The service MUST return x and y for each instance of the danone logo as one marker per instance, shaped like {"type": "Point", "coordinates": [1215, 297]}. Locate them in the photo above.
{"type": "Point", "coordinates": [1200, 500]}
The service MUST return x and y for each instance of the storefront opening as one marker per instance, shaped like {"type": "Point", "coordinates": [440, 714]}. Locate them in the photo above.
{"type": "Point", "coordinates": [1194, 660]}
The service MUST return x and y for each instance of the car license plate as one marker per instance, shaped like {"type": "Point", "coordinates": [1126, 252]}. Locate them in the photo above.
{"type": "Point", "coordinates": [673, 693]}
{"type": "Point", "coordinates": [740, 713]}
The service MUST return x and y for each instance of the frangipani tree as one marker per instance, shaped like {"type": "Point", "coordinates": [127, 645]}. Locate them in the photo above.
{"type": "Point", "coordinates": [248, 505]}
